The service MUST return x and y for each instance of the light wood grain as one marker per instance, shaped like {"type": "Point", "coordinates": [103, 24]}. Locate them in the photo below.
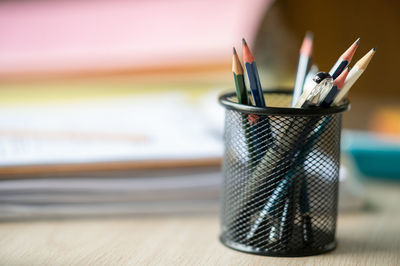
{"type": "Point", "coordinates": [365, 238]}
{"type": "Point", "coordinates": [26, 171]}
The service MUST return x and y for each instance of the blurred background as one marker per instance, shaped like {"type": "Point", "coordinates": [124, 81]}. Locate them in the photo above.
{"type": "Point", "coordinates": [110, 107]}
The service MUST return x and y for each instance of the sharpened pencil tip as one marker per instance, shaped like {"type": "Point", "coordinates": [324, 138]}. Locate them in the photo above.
{"type": "Point", "coordinates": [307, 45]}
{"type": "Point", "coordinates": [244, 41]}
{"type": "Point", "coordinates": [234, 50]}
{"type": "Point", "coordinates": [247, 55]}
{"type": "Point", "coordinates": [374, 49]}
{"type": "Point", "coordinates": [348, 54]}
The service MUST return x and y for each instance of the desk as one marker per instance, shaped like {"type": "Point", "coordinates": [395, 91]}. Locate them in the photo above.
{"type": "Point", "coordinates": [365, 238]}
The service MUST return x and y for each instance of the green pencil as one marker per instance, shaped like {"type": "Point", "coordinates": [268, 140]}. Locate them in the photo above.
{"type": "Point", "coordinates": [238, 77]}
{"type": "Point", "coordinates": [242, 95]}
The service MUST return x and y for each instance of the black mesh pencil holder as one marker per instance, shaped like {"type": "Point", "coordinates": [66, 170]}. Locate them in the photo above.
{"type": "Point", "coordinates": [281, 174]}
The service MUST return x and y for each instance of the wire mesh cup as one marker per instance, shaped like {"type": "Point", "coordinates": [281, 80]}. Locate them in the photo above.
{"type": "Point", "coordinates": [280, 176]}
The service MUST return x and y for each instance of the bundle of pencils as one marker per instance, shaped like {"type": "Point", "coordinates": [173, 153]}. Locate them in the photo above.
{"type": "Point", "coordinates": [312, 89]}
{"type": "Point", "coordinates": [342, 79]}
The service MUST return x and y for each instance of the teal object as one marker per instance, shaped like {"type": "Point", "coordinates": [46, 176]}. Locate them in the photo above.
{"type": "Point", "coordinates": [375, 155]}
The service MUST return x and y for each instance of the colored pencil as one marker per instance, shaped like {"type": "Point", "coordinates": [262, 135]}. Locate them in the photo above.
{"type": "Point", "coordinates": [278, 188]}
{"type": "Point", "coordinates": [241, 93]}
{"type": "Point", "coordinates": [344, 60]}
{"type": "Point", "coordinates": [261, 128]}
{"type": "Point", "coordinates": [303, 66]}
{"type": "Point", "coordinates": [354, 74]}
{"type": "Point", "coordinates": [238, 77]}
{"type": "Point", "coordinates": [337, 85]}
{"type": "Point", "coordinates": [252, 74]}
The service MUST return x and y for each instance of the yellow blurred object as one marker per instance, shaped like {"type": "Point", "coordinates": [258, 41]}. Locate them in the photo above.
{"type": "Point", "coordinates": [386, 120]}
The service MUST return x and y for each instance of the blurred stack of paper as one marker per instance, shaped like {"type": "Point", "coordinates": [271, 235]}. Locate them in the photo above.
{"type": "Point", "coordinates": [136, 193]}
{"type": "Point", "coordinates": [138, 131]}
{"type": "Point", "coordinates": [89, 86]}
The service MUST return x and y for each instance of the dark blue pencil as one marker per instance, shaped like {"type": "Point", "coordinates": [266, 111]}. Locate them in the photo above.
{"type": "Point", "coordinates": [260, 126]}
{"type": "Point", "coordinates": [252, 74]}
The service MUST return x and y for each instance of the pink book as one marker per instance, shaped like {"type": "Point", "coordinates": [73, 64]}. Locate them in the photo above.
{"type": "Point", "coordinates": [53, 37]}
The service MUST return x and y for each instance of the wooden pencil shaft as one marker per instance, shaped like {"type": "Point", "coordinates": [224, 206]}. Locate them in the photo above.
{"type": "Point", "coordinates": [327, 101]}
{"type": "Point", "coordinates": [338, 68]}
{"type": "Point", "coordinates": [255, 84]}
{"type": "Point", "coordinates": [241, 91]}
{"type": "Point", "coordinates": [353, 76]}
{"type": "Point", "coordinates": [329, 97]}
{"type": "Point", "coordinates": [302, 68]}
{"type": "Point", "coordinates": [344, 60]}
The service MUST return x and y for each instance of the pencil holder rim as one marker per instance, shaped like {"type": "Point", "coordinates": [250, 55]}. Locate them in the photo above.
{"type": "Point", "coordinates": [286, 111]}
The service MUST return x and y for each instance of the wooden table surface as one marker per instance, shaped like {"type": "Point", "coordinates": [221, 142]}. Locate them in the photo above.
{"type": "Point", "coordinates": [366, 238]}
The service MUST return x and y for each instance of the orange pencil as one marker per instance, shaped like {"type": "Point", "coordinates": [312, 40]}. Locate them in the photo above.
{"type": "Point", "coordinates": [344, 60]}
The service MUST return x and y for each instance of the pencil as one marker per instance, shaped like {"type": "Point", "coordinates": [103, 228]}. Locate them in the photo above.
{"type": "Point", "coordinates": [337, 85]}
{"type": "Point", "coordinates": [261, 128]}
{"type": "Point", "coordinates": [354, 74]}
{"type": "Point", "coordinates": [241, 93]}
{"type": "Point", "coordinates": [303, 66]}
{"type": "Point", "coordinates": [252, 74]}
{"type": "Point", "coordinates": [237, 70]}
{"type": "Point", "coordinates": [344, 60]}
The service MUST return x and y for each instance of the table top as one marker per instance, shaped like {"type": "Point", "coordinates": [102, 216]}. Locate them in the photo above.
{"type": "Point", "coordinates": [365, 238]}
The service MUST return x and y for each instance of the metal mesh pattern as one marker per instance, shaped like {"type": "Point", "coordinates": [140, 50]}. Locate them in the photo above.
{"type": "Point", "coordinates": [280, 187]}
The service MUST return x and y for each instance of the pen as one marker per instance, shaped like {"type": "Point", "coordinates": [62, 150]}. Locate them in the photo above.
{"type": "Point", "coordinates": [354, 74]}
{"type": "Point", "coordinates": [344, 60]}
